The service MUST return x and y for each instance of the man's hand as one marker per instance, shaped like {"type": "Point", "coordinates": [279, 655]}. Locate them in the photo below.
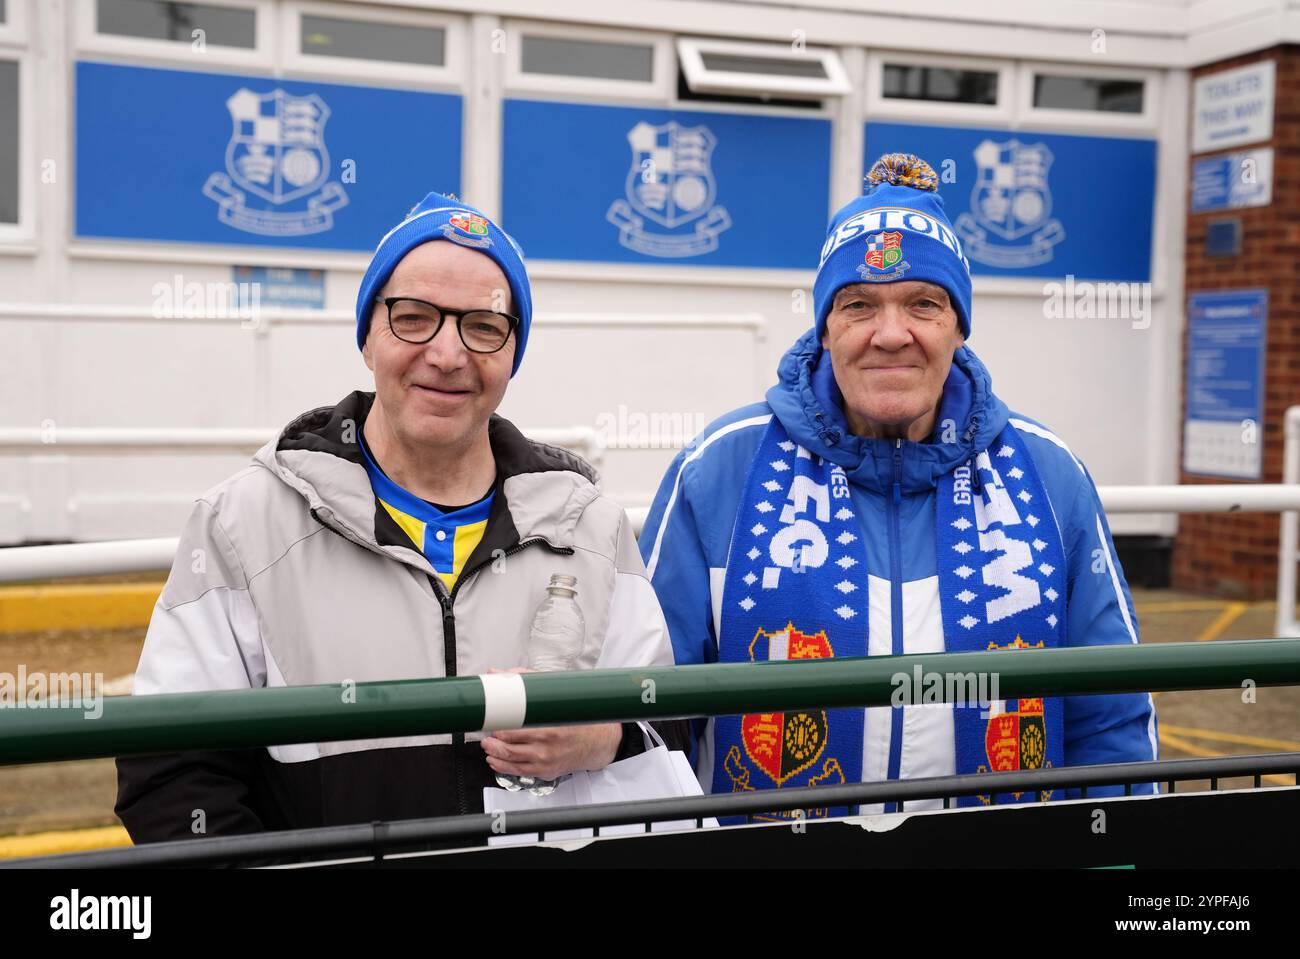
{"type": "Point", "coordinates": [549, 752]}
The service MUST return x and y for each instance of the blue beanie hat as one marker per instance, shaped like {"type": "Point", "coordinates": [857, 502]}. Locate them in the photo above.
{"type": "Point", "coordinates": [895, 231]}
{"type": "Point", "coordinates": [441, 217]}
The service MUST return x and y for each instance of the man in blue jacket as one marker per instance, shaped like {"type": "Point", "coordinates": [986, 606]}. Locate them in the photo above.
{"type": "Point", "coordinates": [884, 501]}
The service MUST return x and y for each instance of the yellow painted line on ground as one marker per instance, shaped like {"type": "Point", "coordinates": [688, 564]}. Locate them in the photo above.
{"type": "Point", "coordinates": [83, 606]}
{"type": "Point", "coordinates": [70, 840]}
{"type": "Point", "coordinates": [1184, 746]}
{"type": "Point", "coordinates": [1195, 605]}
{"type": "Point", "coordinates": [1239, 738]}
{"type": "Point", "coordinates": [1179, 606]}
{"type": "Point", "coordinates": [1225, 619]}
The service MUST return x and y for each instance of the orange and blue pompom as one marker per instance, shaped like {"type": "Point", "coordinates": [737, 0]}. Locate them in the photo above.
{"type": "Point", "coordinates": [903, 169]}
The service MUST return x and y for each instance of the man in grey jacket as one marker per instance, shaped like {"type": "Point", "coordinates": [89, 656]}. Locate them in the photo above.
{"type": "Point", "coordinates": [408, 533]}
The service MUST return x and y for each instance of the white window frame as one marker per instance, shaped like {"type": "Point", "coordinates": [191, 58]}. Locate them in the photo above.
{"type": "Point", "coordinates": [296, 63]}
{"type": "Point", "coordinates": [14, 28]}
{"type": "Point", "coordinates": [880, 107]}
{"type": "Point", "coordinates": [595, 89]}
{"type": "Point", "coordinates": [24, 231]}
{"type": "Point", "coordinates": [172, 52]}
{"type": "Point", "coordinates": [1097, 121]}
{"type": "Point", "coordinates": [700, 79]}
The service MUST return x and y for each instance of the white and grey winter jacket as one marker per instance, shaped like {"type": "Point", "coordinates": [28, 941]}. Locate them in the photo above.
{"type": "Point", "coordinates": [290, 573]}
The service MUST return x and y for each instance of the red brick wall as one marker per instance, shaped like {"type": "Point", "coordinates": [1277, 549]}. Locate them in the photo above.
{"type": "Point", "coordinates": [1221, 553]}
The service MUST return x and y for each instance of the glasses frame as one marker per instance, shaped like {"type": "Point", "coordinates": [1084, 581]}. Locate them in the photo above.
{"type": "Point", "coordinates": [443, 313]}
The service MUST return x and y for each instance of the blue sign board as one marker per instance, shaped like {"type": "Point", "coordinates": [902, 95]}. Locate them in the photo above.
{"type": "Point", "coordinates": [1225, 382]}
{"type": "Point", "coordinates": [173, 155]}
{"type": "Point", "coordinates": [298, 289]}
{"type": "Point", "coordinates": [640, 185]}
{"type": "Point", "coordinates": [1037, 204]}
{"type": "Point", "coordinates": [1232, 180]}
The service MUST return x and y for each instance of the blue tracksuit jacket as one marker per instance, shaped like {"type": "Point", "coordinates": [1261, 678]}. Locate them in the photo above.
{"type": "Point", "coordinates": [688, 533]}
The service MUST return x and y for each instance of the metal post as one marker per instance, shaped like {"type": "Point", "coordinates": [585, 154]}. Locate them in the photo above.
{"type": "Point", "coordinates": [1289, 534]}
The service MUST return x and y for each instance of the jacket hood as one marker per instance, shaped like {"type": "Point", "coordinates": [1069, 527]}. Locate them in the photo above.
{"type": "Point", "coordinates": [541, 491]}
{"type": "Point", "coordinates": [807, 401]}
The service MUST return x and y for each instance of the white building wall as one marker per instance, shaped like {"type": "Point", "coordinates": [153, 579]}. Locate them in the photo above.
{"type": "Point", "coordinates": [98, 357]}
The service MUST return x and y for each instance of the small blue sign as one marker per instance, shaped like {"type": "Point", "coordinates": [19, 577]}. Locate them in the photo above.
{"type": "Point", "coordinates": [1233, 180]}
{"type": "Point", "coordinates": [299, 289]}
{"type": "Point", "coordinates": [172, 155]}
{"type": "Point", "coordinates": [1225, 383]}
{"type": "Point", "coordinates": [1038, 204]}
{"type": "Point", "coordinates": [638, 185]}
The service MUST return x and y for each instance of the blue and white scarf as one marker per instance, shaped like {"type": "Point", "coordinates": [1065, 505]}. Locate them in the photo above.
{"type": "Point", "coordinates": [796, 588]}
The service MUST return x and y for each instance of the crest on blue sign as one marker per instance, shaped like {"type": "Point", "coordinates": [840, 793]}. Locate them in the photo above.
{"type": "Point", "coordinates": [276, 153]}
{"type": "Point", "coordinates": [670, 183]}
{"type": "Point", "coordinates": [1010, 224]}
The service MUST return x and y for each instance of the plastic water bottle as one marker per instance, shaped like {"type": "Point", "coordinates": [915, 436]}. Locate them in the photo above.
{"type": "Point", "coordinates": [554, 644]}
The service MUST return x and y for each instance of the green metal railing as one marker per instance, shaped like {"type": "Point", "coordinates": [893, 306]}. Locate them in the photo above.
{"type": "Point", "coordinates": [121, 726]}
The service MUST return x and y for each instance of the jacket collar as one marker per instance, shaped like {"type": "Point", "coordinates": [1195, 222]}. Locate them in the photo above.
{"type": "Point", "coordinates": [319, 456]}
{"type": "Point", "coordinates": [807, 401]}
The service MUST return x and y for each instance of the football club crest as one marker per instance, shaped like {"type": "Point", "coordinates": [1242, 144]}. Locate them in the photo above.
{"type": "Point", "coordinates": [884, 260]}
{"type": "Point", "coordinates": [467, 229]}
{"type": "Point", "coordinates": [1009, 224]}
{"type": "Point", "coordinates": [670, 184]}
{"type": "Point", "coordinates": [1016, 735]}
{"type": "Point", "coordinates": [780, 746]}
{"type": "Point", "coordinates": [277, 155]}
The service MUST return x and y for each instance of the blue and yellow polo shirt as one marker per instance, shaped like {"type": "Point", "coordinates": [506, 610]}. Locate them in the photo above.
{"type": "Point", "coordinates": [446, 538]}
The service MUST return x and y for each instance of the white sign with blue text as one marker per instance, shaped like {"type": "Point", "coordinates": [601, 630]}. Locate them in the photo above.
{"type": "Point", "coordinates": [1232, 181]}
{"type": "Point", "coordinates": [1225, 383]}
{"type": "Point", "coordinates": [1233, 107]}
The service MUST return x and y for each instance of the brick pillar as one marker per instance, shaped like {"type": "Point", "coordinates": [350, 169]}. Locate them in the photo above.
{"type": "Point", "coordinates": [1224, 554]}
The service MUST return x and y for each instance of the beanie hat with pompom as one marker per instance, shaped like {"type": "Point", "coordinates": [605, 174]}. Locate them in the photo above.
{"type": "Point", "coordinates": [896, 231]}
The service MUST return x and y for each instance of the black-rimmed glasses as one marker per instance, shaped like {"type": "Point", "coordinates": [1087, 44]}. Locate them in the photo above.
{"type": "Point", "coordinates": [417, 321]}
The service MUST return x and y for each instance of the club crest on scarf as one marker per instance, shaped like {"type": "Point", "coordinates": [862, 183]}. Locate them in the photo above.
{"type": "Point", "coordinates": [1016, 734]}
{"type": "Point", "coordinates": [797, 557]}
{"type": "Point", "coordinates": [784, 744]}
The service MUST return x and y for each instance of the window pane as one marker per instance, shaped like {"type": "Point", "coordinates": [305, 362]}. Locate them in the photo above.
{"type": "Point", "coordinates": [402, 43]}
{"type": "Point", "coordinates": [8, 141]}
{"type": "Point", "coordinates": [771, 66]}
{"type": "Point", "coordinates": [165, 20]}
{"type": "Point", "coordinates": [1088, 93]}
{"type": "Point", "coordinates": [588, 58]}
{"type": "Point", "coordinates": [943, 84]}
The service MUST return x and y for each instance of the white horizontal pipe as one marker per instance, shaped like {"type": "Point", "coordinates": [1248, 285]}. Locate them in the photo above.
{"type": "Point", "coordinates": [56, 441]}
{"type": "Point", "coordinates": [21, 563]}
{"type": "Point", "coordinates": [1201, 498]}
{"type": "Point", "coordinates": [129, 556]}
{"type": "Point", "coordinates": [1289, 531]}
